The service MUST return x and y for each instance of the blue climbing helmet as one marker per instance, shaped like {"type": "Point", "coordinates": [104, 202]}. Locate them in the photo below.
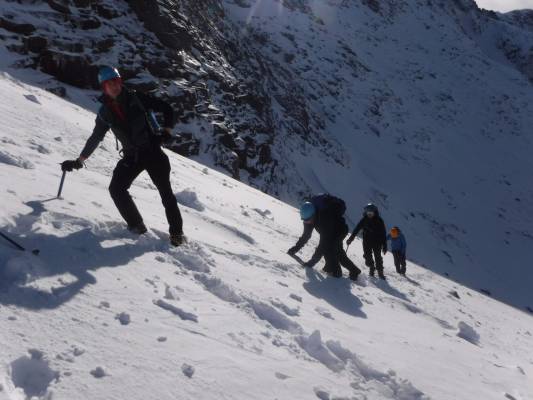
{"type": "Point", "coordinates": [107, 73]}
{"type": "Point", "coordinates": [307, 211]}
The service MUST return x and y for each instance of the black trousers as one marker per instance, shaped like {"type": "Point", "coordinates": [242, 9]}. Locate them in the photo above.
{"type": "Point", "coordinates": [156, 163]}
{"type": "Point", "coordinates": [335, 256]}
{"type": "Point", "coordinates": [372, 255]}
{"type": "Point", "coordinates": [399, 262]}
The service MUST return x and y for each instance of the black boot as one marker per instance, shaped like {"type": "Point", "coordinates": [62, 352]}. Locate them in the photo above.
{"type": "Point", "coordinates": [353, 275]}
{"type": "Point", "coordinates": [138, 229]}
{"type": "Point", "coordinates": [177, 239]}
{"type": "Point", "coordinates": [381, 275]}
{"type": "Point", "coordinates": [372, 271]}
{"type": "Point", "coordinates": [335, 274]}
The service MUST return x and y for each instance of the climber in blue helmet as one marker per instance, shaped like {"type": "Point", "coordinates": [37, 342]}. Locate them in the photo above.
{"type": "Point", "coordinates": [127, 113]}
{"type": "Point", "coordinates": [325, 213]}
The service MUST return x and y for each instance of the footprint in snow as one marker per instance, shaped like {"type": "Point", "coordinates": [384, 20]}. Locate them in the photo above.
{"type": "Point", "coordinates": [32, 98]}
{"type": "Point", "coordinates": [468, 333]}
{"type": "Point", "coordinates": [33, 374]}
{"type": "Point", "coordinates": [295, 297]}
{"type": "Point", "coordinates": [16, 161]}
{"type": "Point", "coordinates": [325, 313]}
{"type": "Point", "coordinates": [188, 370]}
{"type": "Point", "coordinates": [184, 315]}
{"type": "Point", "coordinates": [124, 318]}
{"type": "Point", "coordinates": [98, 372]}
{"type": "Point", "coordinates": [321, 394]}
{"type": "Point", "coordinates": [281, 376]}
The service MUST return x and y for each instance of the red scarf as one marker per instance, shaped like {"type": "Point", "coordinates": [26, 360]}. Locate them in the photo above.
{"type": "Point", "coordinates": [117, 109]}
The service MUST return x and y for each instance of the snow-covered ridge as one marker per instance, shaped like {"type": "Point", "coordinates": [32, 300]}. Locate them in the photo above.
{"type": "Point", "coordinates": [100, 314]}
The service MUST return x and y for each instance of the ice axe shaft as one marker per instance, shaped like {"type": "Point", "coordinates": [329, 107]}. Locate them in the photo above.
{"type": "Point", "coordinates": [18, 246]}
{"type": "Point", "coordinates": [61, 184]}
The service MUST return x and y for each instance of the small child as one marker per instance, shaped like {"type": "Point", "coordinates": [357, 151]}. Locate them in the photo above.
{"type": "Point", "coordinates": [398, 248]}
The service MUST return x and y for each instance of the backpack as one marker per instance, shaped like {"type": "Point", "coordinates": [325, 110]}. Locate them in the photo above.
{"type": "Point", "coordinates": [326, 202]}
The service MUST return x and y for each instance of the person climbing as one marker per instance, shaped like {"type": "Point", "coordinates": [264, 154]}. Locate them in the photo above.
{"type": "Point", "coordinates": [325, 213]}
{"type": "Point", "coordinates": [126, 113]}
{"type": "Point", "coordinates": [398, 249]}
{"type": "Point", "coordinates": [374, 239]}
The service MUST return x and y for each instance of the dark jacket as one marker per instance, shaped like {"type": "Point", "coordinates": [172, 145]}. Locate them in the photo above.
{"type": "Point", "coordinates": [328, 223]}
{"type": "Point", "coordinates": [374, 232]}
{"type": "Point", "coordinates": [128, 120]}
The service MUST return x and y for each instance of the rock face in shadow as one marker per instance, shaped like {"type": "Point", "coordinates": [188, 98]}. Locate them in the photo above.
{"type": "Point", "coordinates": [169, 27]}
{"type": "Point", "coordinates": [250, 98]}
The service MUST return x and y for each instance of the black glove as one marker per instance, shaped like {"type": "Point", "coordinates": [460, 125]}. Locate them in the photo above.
{"type": "Point", "coordinates": [384, 250]}
{"type": "Point", "coordinates": [69, 165]}
{"type": "Point", "coordinates": [292, 251]}
{"type": "Point", "coordinates": [163, 138]}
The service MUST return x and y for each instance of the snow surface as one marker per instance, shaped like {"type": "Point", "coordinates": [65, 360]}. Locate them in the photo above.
{"type": "Point", "coordinates": [102, 314]}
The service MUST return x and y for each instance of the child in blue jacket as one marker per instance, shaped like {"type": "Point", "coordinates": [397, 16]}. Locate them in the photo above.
{"type": "Point", "coordinates": [398, 248]}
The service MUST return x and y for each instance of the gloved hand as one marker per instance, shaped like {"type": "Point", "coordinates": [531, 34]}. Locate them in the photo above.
{"type": "Point", "coordinates": [69, 165]}
{"type": "Point", "coordinates": [292, 251]}
{"type": "Point", "coordinates": [384, 250]}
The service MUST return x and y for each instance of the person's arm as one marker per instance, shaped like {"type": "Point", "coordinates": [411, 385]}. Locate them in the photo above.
{"type": "Point", "coordinates": [355, 231]}
{"type": "Point", "coordinates": [151, 102]}
{"type": "Point", "coordinates": [100, 129]}
{"type": "Point", "coordinates": [306, 235]}
{"type": "Point", "coordinates": [317, 255]}
{"type": "Point", "coordinates": [383, 235]}
{"type": "Point", "coordinates": [404, 243]}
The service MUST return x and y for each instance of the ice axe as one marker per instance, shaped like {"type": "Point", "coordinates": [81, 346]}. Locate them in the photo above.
{"type": "Point", "coordinates": [61, 184]}
{"type": "Point", "coordinates": [18, 246]}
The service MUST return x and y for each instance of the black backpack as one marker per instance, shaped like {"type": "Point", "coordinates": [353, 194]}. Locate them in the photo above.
{"type": "Point", "coordinates": [330, 204]}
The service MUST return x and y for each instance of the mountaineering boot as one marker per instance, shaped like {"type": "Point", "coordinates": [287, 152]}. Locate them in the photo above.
{"type": "Point", "coordinates": [336, 273]}
{"type": "Point", "coordinates": [353, 275]}
{"type": "Point", "coordinates": [372, 271]}
{"type": "Point", "coordinates": [177, 239]}
{"type": "Point", "coordinates": [381, 276]}
{"type": "Point", "coordinates": [138, 229]}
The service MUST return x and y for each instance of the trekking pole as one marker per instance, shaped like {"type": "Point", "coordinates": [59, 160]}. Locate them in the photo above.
{"type": "Point", "coordinates": [61, 184]}
{"type": "Point", "coordinates": [18, 246]}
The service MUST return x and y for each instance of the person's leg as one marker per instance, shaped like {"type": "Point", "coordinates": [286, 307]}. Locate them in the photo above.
{"type": "Point", "coordinates": [404, 263]}
{"type": "Point", "coordinates": [331, 256]}
{"type": "Point", "coordinates": [345, 261]}
{"type": "Point", "coordinates": [379, 260]}
{"type": "Point", "coordinates": [397, 261]}
{"type": "Point", "coordinates": [158, 168]}
{"type": "Point", "coordinates": [377, 257]}
{"type": "Point", "coordinates": [349, 265]}
{"type": "Point", "coordinates": [367, 254]}
{"type": "Point", "coordinates": [123, 176]}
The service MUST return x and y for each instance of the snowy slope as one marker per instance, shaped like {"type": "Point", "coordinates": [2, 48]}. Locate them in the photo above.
{"type": "Point", "coordinates": [423, 107]}
{"type": "Point", "coordinates": [105, 315]}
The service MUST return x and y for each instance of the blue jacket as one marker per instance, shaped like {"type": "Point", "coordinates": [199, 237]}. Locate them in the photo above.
{"type": "Point", "coordinates": [398, 244]}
